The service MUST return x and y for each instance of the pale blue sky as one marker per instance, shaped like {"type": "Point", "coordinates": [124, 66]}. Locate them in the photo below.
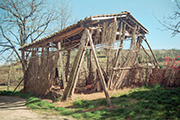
{"type": "Point", "coordinates": [144, 11]}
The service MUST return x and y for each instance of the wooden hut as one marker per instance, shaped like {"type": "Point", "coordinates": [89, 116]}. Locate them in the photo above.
{"type": "Point", "coordinates": [94, 32]}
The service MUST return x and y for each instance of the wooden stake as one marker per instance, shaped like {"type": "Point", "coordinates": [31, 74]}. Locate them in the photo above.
{"type": "Point", "coordinates": [62, 66]}
{"type": "Point", "coordinates": [99, 70]}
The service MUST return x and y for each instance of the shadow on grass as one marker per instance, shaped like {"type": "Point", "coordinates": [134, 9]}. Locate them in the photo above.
{"type": "Point", "coordinates": [140, 103]}
{"type": "Point", "coordinates": [158, 103]}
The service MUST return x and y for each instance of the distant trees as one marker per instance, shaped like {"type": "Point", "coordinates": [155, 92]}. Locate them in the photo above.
{"type": "Point", "coordinates": [25, 21]}
{"type": "Point", "coordinates": [172, 22]}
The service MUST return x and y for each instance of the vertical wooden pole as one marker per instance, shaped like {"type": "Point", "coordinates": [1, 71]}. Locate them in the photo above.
{"type": "Point", "coordinates": [74, 72]}
{"type": "Point", "coordinates": [99, 70]}
{"type": "Point", "coordinates": [42, 55]}
{"type": "Point", "coordinates": [47, 62]}
{"type": "Point", "coordinates": [61, 64]}
{"type": "Point", "coordinates": [67, 64]}
{"type": "Point", "coordinates": [90, 68]}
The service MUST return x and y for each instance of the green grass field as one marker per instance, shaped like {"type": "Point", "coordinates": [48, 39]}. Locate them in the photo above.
{"type": "Point", "coordinates": [155, 103]}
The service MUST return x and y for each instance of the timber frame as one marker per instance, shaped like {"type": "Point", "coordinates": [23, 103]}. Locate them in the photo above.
{"type": "Point", "coordinates": [86, 34]}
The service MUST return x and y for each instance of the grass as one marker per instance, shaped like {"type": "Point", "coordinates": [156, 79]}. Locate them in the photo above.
{"type": "Point", "coordinates": [139, 103]}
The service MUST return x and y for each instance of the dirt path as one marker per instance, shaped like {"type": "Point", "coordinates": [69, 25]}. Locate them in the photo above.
{"type": "Point", "coordinates": [13, 108]}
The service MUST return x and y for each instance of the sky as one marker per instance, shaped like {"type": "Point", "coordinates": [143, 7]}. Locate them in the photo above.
{"type": "Point", "coordinates": [145, 11]}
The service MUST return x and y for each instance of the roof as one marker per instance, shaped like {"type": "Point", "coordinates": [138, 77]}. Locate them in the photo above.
{"type": "Point", "coordinates": [75, 31]}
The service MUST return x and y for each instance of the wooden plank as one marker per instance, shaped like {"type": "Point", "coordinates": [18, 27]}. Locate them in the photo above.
{"type": "Point", "coordinates": [99, 70]}
{"type": "Point", "coordinates": [61, 64]}
{"type": "Point", "coordinates": [73, 75]}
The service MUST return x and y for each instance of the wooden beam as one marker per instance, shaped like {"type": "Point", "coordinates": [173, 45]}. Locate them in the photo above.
{"type": "Point", "coordinates": [107, 47]}
{"type": "Point", "coordinates": [78, 70]}
{"type": "Point", "coordinates": [55, 37]}
{"type": "Point", "coordinates": [151, 51]}
{"type": "Point", "coordinates": [147, 54]}
{"type": "Point", "coordinates": [74, 72]}
{"type": "Point", "coordinates": [61, 65]}
{"type": "Point", "coordinates": [99, 70]}
{"type": "Point", "coordinates": [84, 43]}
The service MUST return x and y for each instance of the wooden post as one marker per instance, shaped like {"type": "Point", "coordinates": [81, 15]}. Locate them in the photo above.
{"type": "Point", "coordinates": [80, 63]}
{"type": "Point", "coordinates": [99, 70]}
{"type": "Point", "coordinates": [47, 62]}
{"type": "Point", "coordinates": [42, 55]}
{"type": "Point", "coordinates": [88, 81]}
{"type": "Point", "coordinates": [61, 64]}
{"type": "Point", "coordinates": [67, 64]}
{"type": "Point", "coordinates": [74, 72]}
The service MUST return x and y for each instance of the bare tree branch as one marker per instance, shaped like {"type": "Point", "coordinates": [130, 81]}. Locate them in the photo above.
{"type": "Point", "coordinates": [25, 21]}
{"type": "Point", "coordinates": [172, 22]}
{"type": "Point", "coordinates": [11, 44]}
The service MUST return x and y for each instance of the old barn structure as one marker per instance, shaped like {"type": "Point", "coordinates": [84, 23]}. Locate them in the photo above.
{"type": "Point", "coordinates": [96, 32]}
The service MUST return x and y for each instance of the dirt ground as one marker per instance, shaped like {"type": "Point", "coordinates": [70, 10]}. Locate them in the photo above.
{"type": "Point", "coordinates": [13, 108]}
{"type": "Point", "coordinates": [92, 96]}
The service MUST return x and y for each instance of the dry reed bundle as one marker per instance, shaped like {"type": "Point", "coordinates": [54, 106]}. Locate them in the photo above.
{"type": "Point", "coordinates": [40, 72]}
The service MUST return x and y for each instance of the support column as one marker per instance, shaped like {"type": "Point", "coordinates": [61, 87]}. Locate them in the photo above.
{"type": "Point", "coordinates": [67, 64]}
{"type": "Point", "coordinates": [99, 70]}
{"type": "Point", "coordinates": [76, 66]}
{"type": "Point", "coordinates": [61, 65]}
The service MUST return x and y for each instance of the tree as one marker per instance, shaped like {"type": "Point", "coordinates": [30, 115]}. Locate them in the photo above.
{"type": "Point", "coordinates": [25, 21]}
{"type": "Point", "coordinates": [173, 22]}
